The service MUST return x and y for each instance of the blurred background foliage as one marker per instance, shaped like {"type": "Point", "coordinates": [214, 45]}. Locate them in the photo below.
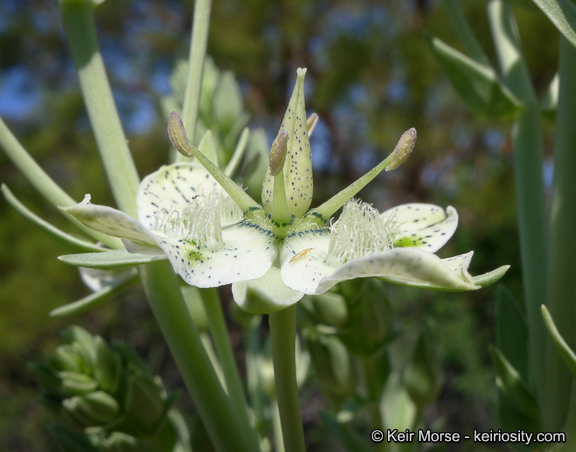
{"type": "Point", "coordinates": [370, 77]}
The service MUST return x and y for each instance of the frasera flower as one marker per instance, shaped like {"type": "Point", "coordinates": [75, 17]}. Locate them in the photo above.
{"type": "Point", "coordinates": [214, 234]}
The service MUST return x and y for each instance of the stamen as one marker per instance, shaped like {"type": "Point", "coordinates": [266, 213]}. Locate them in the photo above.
{"type": "Point", "coordinates": [360, 231]}
{"type": "Point", "coordinates": [229, 211]}
{"type": "Point", "coordinates": [199, 222]}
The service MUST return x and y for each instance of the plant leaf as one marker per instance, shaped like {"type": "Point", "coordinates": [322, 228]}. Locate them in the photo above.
{"type": "Point", "coordinates": [562, 13]}
{"type": "Point", "coordinates": [476, 83]}
{"type": "Point", "coordinates": [565, 351]}
{"type": "Point", "coordinates": [67, 240]}
{"type": "Point", "coordinates": [549, 102]}
{"type": "Point", "coordinates": [512, 386]}
{"type": "Point", "coordinates": [109, 259]}
{"type": "Point", "coordinates": [511, 331]}
{"type": "Point", "coordinates": [94, 299]}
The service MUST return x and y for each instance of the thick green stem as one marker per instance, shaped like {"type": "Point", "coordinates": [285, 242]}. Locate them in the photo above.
{"type": "Point", "coordinates": [528, 159]}
{"type": "Point", "coordinates": [44, 183]}
{"type": "Point", "coordinates": [283, 338]}
{"type": "Point", "coordinates": [373, 389]}
{"type": "Point", "coordinates": [78, 21]}
{"type": "Point", "coordinates": [195, 68]}
{"type": "Point", "coordinates": [528, 152]}
{"type": "Point", "coordinates": [219, 331]}
{"type": "Point", "coordinates": [561, 281]}
{"type": "Point", "coordinates": [276, 427]}
{"type": "Point", "coordinates": [225, 428]}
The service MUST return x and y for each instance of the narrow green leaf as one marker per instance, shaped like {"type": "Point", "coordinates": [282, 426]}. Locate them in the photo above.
{"type": "Point", "coordinates": [528, 6]}
{"type": "Point", "coordinates": [79, 27]}
{"type": "Point", "coordinates": [462, 29]}
{"type": "Point", "coordinates": [549, 102]}
{"type": "Point", "coordinates": [562, 13]}
{"type": "Point", "coordinates": [511, 331]}
{"type": "Point", "coordinates": [109, 259]}
{"type": "Point", "coordinates": [70, 242]}
{"type": "Point", "coordinates": [238, 153]}
{"type": "Point", "coordinates": [476, 83]}
{"type": "Point", "coordinates": [93, 300]}
{"type": "Point", "coordinates": [565, 351]}
{"type": "Point", "coordinates": [515, 390]}
{"type": "Point", "coordinates": [43, 182]}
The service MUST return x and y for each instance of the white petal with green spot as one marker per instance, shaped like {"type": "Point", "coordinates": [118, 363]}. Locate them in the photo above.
{"type": "Point", "coordinates": [247, 251]}
{"type": "Point", "coordinates": [423, 226]}
{"type": "Point", "coordinates": [303, 260]}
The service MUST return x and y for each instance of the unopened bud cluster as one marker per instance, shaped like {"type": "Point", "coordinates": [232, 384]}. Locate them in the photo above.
{"type": "Point", "coordinates": [104, 397]}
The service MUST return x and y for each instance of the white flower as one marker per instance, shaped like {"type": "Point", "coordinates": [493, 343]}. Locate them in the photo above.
{"type": "Point", "coordinates": [214, 234]}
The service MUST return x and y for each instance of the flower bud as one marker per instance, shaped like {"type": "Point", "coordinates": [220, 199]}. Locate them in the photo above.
{"type": "Point", "coordinates": [403, 149]}
{"type": "Point", "coordinates": [329, 308]}
{"type": "Point", "coordinates": [66, 358]}
{"type": "Point", "coordinates": [228, 105]}
{"type": "Point", "coordinates": [333, 365]}
{"type": "Point", "coordinates": [422, 375]}
{"type": "Point", "coordinates": [94, 409]}
{"type": "Point", "coordinates": [144, 401]}
{"type": "Point", "coordinates": [74, 383]}
{"type": "Point", "coordinates": [110, 394]}
{"type": "Point", "coordinates": [84, 344]}
{"type": "Point", "coordinates": [370, 316]}
{"type": "Point", "coordinates": [119, 442]}
{"type": "Point", "coordinates": [108, 366]}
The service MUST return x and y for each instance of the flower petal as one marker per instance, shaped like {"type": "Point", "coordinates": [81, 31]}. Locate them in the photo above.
{"type": "Point", "coordinates": [303, 260]}
{"type": "Point", "coordinates": [172, 188]}
{"type": "Point", "coordinates": [423, 226]}
{"type": "Point", "coordinates": [407, 266]}
{"type": "Point", "coordinates": [111, 221]}
{"type": "Point", "coordinates": [271, 294]}
{"type": "Point", "coordinates": [305, 267]}
{"type": "Point", "coordinates": [247, 251]}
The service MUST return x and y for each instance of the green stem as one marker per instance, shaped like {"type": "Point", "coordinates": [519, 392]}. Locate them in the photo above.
{"type": "Point", "coordinates": [253, 375]}
{"type": "Point", "coordinates": [219, 331]}
{"type": "Point", "coordinates": [373, 389]}
{"type": "Point", "coordinates": [276, 427]}
{"type": "Point", "coordinates": [570, 426]}
{"type": "Point", "coordinates": [464, 32]}
{"type": "Point", "coordinates": [561, 281]}
{"type": "Point", "coordinates": [283, 339]}
{"type": "Point", "coordinates": [195, 68]}
{"type": "Point", "coordinates": [78, 21]}
{"type": "Point", "coordinates": [196, 310]}
{"type": "Point", "coordinates": [44, 183]}
{"type": "Point", "coordinates": [528, 160]}
{"type": "Point", "coordinates": [225, 428]}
